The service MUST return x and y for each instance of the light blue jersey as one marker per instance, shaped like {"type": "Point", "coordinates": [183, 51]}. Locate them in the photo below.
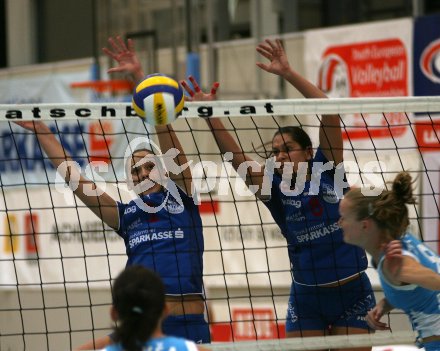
{"type": "Point", "coordinates": [420, 304]}
{"type": "Point", "coordinates": [165, 343]}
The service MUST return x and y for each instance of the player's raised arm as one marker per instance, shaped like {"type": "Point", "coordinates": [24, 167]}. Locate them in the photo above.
{"type": "Point", "coordinates": [330, 135]}
{"type": "Point", "coordinates": [99, 202]}
{"type": "Point", "coordinates": [241, 162]}
{"type": "Point", "coordinates": [168, 140]}
{"type": "Point", "coordinates": [128, 62]}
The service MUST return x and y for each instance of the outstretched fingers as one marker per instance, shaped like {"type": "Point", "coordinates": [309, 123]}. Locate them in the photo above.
{"type": "Point", "coordinates": [187, 88]}
{"type": "Point", "coordinates": [263, 66]}
{"type": "Point", "coordinates": [279, 44]}
{"type": "Point", "coordinates": [195, 92]}
{"type": "Point", "coordinates": [130, 45]}
{"type": "Point", "coordinates": [121, 44]}
{"type": "Point", "coordinates": [264, 52]}
{"type": "Point", "coordinates": [195, 84]}
{"type": "Point", "coordinates": [214, 88]}
{"type": "Point", "coordinates": [113, 44]}
{"type": "Point", "coordinates": [118, 45]}
{"type": "Point", "coordinates": [109, 53]}
{"type": "Point", "coordinates": [270, 43]}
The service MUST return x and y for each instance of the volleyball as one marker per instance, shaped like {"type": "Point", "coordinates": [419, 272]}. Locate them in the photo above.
{"type": "Point", "coordinates": [158, 99]}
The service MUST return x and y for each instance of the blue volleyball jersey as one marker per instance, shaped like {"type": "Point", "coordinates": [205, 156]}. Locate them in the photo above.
{"type": "Point", "coordinates": [165, 343]}
{"type": "Point", "coordinates": [169, 242]}
{"type": "Point", "coordinates": [309, 222]}
{"type": "Point", "coordinates": [420, 304]}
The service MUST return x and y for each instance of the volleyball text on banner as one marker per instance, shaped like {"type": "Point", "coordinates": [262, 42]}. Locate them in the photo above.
{"type": "Point", "coordinates": [365, 60]}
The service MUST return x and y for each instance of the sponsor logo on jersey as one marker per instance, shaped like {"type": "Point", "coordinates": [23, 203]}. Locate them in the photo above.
{"type": "Point", "coordinates": [131, 209]}
{"type": "Point", "coordinates": [329, 194]}
{"type": "Point", "coordinates": [296, 217]}
{"type": "Point", "coordinates": [173, 207]}
{"type": "Point", "coordinates": [318, 233]}
{"type": "Point", "coordinates": [178, 234]}
{"type": "Point", "coordinates": [145, 236]}
{"type": "Point", "coordinates": [134, 224]}
{"type": "Point", "coordinates": [292, 202]}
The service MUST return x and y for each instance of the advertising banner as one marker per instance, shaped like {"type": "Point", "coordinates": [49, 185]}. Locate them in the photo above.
{"type": "Point", "coordinates": [427, 83]}
{"type": "Point", "coordinates": [367, 60]}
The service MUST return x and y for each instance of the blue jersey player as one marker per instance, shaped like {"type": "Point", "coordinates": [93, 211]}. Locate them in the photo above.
{"type": "Point", "coordinates": [331, 293]}
{"type": "Point", "coordinates": [138, 306]}
{"type": "Point", "coordinates": [161, 228]}
{"type": "Point", "coordinates": [170, 241]}
{"type": "Point", "coordinates": [410, 276]}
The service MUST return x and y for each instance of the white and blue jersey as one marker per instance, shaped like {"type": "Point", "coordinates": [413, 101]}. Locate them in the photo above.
{"type": "Point", "coordinates": [309, 222]}
{"type": "Point", "coordinates": [165, 343]}
{"type": "Point", "coordinates": [169, 242]}
{"type": "Point", "coordinates": [420, 304]}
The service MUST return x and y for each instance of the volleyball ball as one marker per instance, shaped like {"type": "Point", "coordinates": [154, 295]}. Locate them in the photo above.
{"type": "Point", "coordinates": [158, 99]}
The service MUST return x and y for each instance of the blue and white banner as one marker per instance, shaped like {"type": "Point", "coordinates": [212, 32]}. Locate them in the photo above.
{"type": "Point", "coordinates": [427, 83]}
{"type": "Point", "coordinates": [426, 61]}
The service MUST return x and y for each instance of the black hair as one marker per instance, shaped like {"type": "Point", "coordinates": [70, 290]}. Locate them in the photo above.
{"type": "Point", "coordinates": [297, 134]}
{"type": "Point", "coordinates": [139, 299]}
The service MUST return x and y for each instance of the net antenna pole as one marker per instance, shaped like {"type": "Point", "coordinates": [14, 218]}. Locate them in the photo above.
{"type": "Point", "coordinates": [210, 34]}
{"type": "Point", "coordinates": [96, 68]}
{"type": "Point", "coordinates": [192, 54]}
{"type": "Point", "coordinates": [257, 34]}
{"type": "Point", "coordinates": [175, 19]}
{"type": "Point", "coordinates": [418, 8]}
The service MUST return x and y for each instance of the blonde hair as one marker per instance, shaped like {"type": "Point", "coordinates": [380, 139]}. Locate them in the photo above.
{"type": "Point", "coordinates": [388, 209]}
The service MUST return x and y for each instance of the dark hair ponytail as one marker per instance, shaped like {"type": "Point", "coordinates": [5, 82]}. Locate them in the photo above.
{"type": "Point", "coordinates": [139, 299]}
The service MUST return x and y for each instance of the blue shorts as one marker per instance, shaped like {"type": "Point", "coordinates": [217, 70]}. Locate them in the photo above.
{"type": "Point", "coordinates": [190, 326]}
{"type": "Point", "coordinates": [319, 308]}
{"type": "Point", "coordinates": [432, 346]}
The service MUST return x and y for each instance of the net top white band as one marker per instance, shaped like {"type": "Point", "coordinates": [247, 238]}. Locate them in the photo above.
{"type": "Point", "coordinates": [235, 108]}
{"type": "Point", "coordinates": [322, 342]}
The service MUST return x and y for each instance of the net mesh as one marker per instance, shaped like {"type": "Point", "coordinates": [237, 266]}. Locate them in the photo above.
{"type": "Point", "coordinates": [58, 259]}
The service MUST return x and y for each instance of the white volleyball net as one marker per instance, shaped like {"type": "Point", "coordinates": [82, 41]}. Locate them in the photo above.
{"type": "Point", "coordinates": [57, 259]}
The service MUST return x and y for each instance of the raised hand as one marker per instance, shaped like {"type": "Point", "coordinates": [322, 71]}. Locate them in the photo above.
{"type": "Point", "coordinates": [197, 94]}
{"type": "Point", "coordinates": [125, 56]}
{"type": "Point", "coordinates": [275, 53]}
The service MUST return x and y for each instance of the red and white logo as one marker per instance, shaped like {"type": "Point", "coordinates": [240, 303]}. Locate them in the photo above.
{"type": "Point", "coordinates": [333, 77]}
{"type": "Point", "coordinates": [367, 69]}
{"type": "Point", "coordinates": [430, 61]}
